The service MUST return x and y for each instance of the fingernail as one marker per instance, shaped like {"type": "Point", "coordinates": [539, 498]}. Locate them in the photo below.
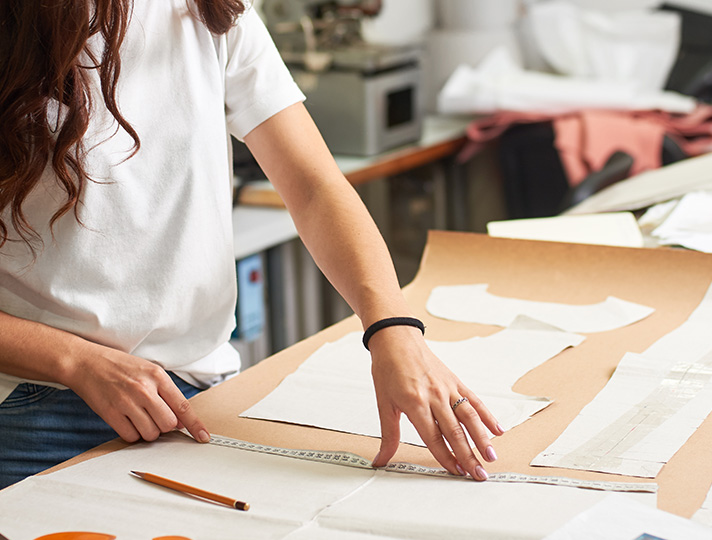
{"type": "Point", "coordinates": [491, 455]}
{"type": "Point", "coordinates": [481, 473]}
{"type": "Point", "coordinates": [203, 436]}
{"type": "Point", "coordinates": [460, 470]}
{"type": "Point", "coordinates": [500, 428]}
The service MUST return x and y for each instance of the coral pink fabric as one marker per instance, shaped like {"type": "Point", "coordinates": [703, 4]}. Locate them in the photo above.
{"type": "Point", "coordinates": [586, 139]}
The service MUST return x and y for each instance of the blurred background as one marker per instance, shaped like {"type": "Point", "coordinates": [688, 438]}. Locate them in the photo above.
{"type": "Point", "coordinates": [456, 114]}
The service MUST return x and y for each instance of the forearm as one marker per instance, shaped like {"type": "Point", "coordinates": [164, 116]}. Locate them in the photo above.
{"type": "Point", "coordinates": [330, 217]}
{"type": "Point", "coordinates": [32, 350]}
{"type": "Point", "coordinates": [346, 244]}
{"type": "Point", "coordinates": [349, 249]}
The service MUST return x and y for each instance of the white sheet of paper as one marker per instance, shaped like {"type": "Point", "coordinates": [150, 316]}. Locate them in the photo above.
{"type": "Point", "coordinates": [333, 388]}
{"type": "Point", "coordinates": [610, 229]}
{"type": "Point", "coordinates": [472, 303]}
{"type": "Point", "coordinates": [649, 408]}
{"type": "Point", "coordinates": [689, 224]}
{"type": "Point", "coordinates": [101, 496]}
{"type": "Point", "coordinates": [620, 517]}
{"type": "Point", "coordinates": [290, 499]}
{"type": "Point", "coordinates": [420, 508]}
{"type": "Point", "coordinates": [655, 215]}
{"type": "Point", "coordinates": [40, 506]}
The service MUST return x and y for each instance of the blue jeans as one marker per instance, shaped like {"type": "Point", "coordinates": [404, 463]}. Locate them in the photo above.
{"type": "Point", "coordinates": [41, 426]}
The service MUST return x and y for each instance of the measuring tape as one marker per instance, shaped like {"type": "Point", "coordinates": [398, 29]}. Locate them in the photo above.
{"type": "Point", "coordinates": [352, 460]}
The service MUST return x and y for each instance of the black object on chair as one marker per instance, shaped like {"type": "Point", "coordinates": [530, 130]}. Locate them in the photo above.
{"type": "Point", "coordinates": [534, 178]}
{"type": "Point", "coordinates": [616, 168]}
{"type": "Point", "coordinates": [692, 72]}
{"type": "Point", "coordinates": [535, 182]}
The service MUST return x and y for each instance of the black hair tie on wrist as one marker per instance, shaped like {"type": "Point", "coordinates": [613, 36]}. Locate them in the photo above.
{"type": "Point", "coordinates": [392, 321]}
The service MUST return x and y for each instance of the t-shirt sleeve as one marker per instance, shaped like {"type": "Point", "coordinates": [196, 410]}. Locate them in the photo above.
{"type": "Point", "coordinates": [257, 83]}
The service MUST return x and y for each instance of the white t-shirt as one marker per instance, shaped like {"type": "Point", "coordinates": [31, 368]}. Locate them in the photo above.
{"type": "Point", "coordinates": [151, 271]}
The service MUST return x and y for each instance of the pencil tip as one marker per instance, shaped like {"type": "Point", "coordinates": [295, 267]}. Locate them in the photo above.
{"type": "Point", "coordinates": [136, 473]}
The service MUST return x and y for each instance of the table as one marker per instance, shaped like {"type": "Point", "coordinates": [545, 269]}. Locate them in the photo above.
{"type": "Point", "coordinates": [671, 281]}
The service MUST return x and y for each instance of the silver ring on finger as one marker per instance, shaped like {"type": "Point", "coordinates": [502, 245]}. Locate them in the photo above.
{"type": "Point", "coordinates": [459, 402]}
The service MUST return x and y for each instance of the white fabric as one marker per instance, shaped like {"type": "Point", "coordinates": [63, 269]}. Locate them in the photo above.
{"type": "Point", "coordinates": [498, 83]}
{"type": "Point", "coordinates": [634, 46]}
{"type": "Point", "coordinates": [151, 271]}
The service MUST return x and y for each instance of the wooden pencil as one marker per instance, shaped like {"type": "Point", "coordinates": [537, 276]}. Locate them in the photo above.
{"type": "Point", "coordinates": [184, 488]}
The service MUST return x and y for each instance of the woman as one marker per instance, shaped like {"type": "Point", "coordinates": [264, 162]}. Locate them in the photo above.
{"type": "Point", "coordinates": [117, 283]}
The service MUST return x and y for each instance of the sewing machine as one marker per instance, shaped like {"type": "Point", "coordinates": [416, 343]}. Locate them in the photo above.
{"type": "Point", "coordinates": [365, 98]}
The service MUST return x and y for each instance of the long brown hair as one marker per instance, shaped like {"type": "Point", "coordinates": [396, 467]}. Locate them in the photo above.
{"type": "Point", "coordinates": [41, 42]}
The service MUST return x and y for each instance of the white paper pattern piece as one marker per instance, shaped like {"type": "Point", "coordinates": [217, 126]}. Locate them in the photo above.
{"type": "Point", "coordinates": [649, 408]}
{"type": "Point", "coordinates": [704, 514]}
{"type": "Point", "coordinates": [472, 303]}
{"type": "Point", "coordinates": [333, 388]}
{"type": "Point", "coordinates": [290, 499]}
{"type": "Point", "coordinates": [622, 518]}
{"type": "Point", "coordinates": [689, 224]}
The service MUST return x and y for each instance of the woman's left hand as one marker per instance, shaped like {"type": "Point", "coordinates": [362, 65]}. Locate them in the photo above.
{"type": "Point", "coordinates": [410, 379]}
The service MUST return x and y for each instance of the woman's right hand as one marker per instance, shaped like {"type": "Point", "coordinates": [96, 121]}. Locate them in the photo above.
{"type": "Point", "coordinates": [134, 396]}
{"type": "Point", "coordinates": [137, 398]}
